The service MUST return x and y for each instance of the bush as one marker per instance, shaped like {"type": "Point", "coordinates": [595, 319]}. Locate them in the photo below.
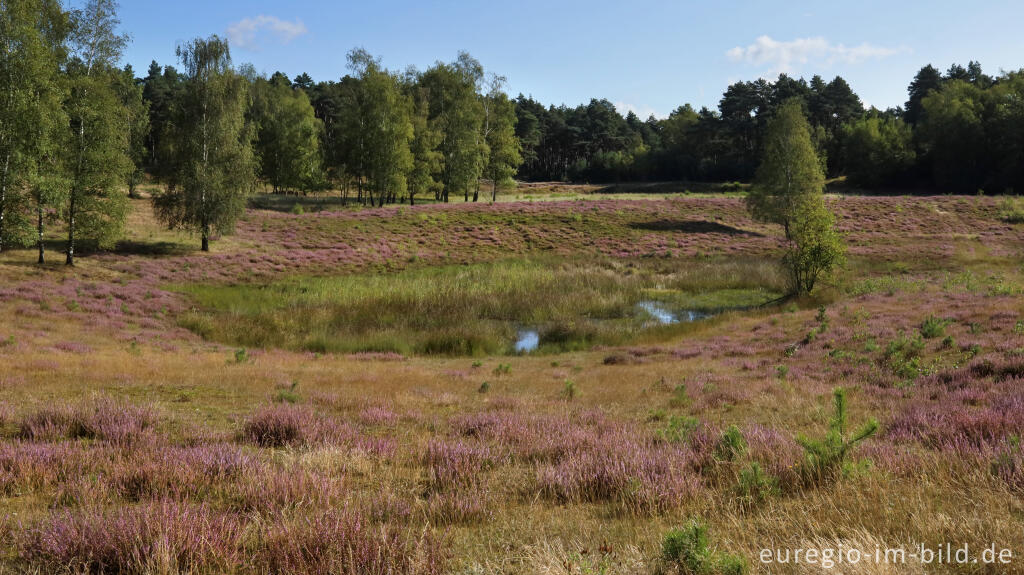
{"type": "Point", "coordinates": [731, 445]}
{"type": "Point", "coordinates": [687, 551]}
{"type": "Point", "coordinates": [933, 327]}
{"type": "Point", "coordinates": [1011, 211]}
{"type": "Point", "coordinates": [276, 426]}
{"type": "Point", "coordinates": [755, 485]}
{"type": "Point", "coordinates": [827, 458]}
{"type": "Point", "coordinates": [569, 390]}
{"type": "Point", "coordinates": [287, 394]}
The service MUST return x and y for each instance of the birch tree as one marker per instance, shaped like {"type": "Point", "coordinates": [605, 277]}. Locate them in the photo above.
{"type": "Point", "coordinates": [32, 46]}
{"type": "Point", "coordinates": [98, 162]}
{"type": "Point", "coordinates": [211, 145]}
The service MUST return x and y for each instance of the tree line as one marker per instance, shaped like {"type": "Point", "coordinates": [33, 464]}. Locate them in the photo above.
{"type": "Point", "coordinates": [959, 131]}
{"type": "Point", "coordinates": [77, 130]}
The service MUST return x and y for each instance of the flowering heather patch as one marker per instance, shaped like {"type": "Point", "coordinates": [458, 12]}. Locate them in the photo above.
{"type": "Point", "coordinates": [640, 476]}
{"type": "Point", "coordinates": [777, 453]}
{"type": "Point", "coordinates": [104, 419]}
{"type": "Point", "coordinates": [278, 426]}
{"type": "Point", "coordinates": [460, 506]}
{"type": "Point", "coordinates": [961, 426]}
{"type": "Point", "coordinates": [455, 464]}
{"type": "Point", "coordinates": [529, 437]}
{"type": "Point", "coordinates": [159, 537]}
{"type": "Point", "coordinates": [344, 542]}
{"type": "Point", "coordinates": [378, 415]}
{"type": "Point", "coordinates": [1008, 463]}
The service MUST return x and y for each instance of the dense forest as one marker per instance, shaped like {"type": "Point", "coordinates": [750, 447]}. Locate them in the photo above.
{"type": "Point", "coordinates": [77, 128]}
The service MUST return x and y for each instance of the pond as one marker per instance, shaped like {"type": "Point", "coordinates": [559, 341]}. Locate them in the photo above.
{"type": "Point", "coordinates": [660, 313]}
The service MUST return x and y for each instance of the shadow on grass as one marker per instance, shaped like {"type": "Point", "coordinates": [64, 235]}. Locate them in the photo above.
{"type": "Point", "coordinates": [691, 227]}
{"type": "Point", "coordinates": [135, 248]}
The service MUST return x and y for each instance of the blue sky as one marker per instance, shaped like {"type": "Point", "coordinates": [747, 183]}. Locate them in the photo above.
{"type": "Point", "coordinates": [648, 56]}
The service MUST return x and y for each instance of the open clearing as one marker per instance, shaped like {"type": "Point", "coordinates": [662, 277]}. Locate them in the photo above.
{"type": "Point", "coordinates": [358, 386]}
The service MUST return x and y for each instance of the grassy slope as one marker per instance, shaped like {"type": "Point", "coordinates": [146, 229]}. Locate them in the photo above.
{"type": "Point", "coordinates": [108, 328]}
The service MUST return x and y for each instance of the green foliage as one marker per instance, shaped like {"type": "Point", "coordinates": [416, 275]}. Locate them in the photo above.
{"type": "Point", "coordinates": [484, 387]}
{"type": "Point", "coordinates": [457, 113]}
{"type": "Point", "coordinates": [97, 150]}
{"type": "Point", "coordinates": [789, 170]}
{"type": "Point", "coordinates": [688, 551]}
{"type": "Point", "coordinates": [287, 393]}
{"type": "Point", "coordinates": [288, 135]}
{"type": "Point", "coordinates": [828, 458]}
{"type": "Point", "coordinates": [428, 160]}
{"type": "Point", "coordinates": [755, 486]}
{"type": "Point", "coordinates": [569, 391]}
{"type": "Point", "coordinates": [499, 128]}
{"type": "Point", "coordinates": [679, 428]}
{"type": "Point", "coordinates": [731, 445]}
{"type": "Point", "coordinates": [211, 165]}
{"type": "Point", "coordinates": [502, 369]}
{"type": "Point", "coordinates": [1011, 210]}
{"type": "Point", "coordinates": [933, 327]}
{"type": "Point", "coordinates": [679, 397]}
{"type": "Point", "coordinates": [33, 121]}
{"type": "Point", "coordinates": [814, 249]}
{"type": "Point", "coordinates": [136, 109]}
{"type": "Point", "coordinates": [384, 129]}
{"type": "Point", "coordinates": [241, 355]}
{"type": "Point", "coordinates": [902, 355]}
{"type": "Point", "coordinates": [879, 151]}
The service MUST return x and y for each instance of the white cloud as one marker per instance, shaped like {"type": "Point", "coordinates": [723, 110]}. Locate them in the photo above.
{"type": "Point", "coordinates": [643, 112]}
{"type": "Point", "coordinates": [780, 56]}
{"type": "Point", "coordinates": [254, 33]}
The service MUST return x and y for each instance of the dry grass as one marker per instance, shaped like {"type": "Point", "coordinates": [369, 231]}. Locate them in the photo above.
{"type": "Point", "coordinates": [369, 421]}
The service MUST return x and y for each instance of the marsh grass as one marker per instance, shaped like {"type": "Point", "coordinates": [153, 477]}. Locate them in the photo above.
{"type": "Point", "coordinates": [473, 309]}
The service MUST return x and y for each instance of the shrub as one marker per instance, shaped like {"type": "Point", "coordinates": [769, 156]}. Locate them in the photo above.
{"type": "Point", "coordinates": [933, 327]}
{"type": "Point", "coordinates": [344, 542]}
{"type": "Point", "coordinates": [484, 387]}
{"type": "Point", "coordinates": [1011, 211]}
{"type": "Point", "coordinates": [827, 458]}
{"type": "Point", "coordinates": [277, 426]}
{"type": "Point", "coordinates": [104, 419]}
{"type": "Point", "coordinates": [687, 551]}
{"type": "Point", "coordinates": [679, 397]}
{"type": "Point", "coordinates": [569, 390]}
{"type": "Point", "coordinates": [286, 393]}
{"type": "Point", "coordinates": [164, 537]}
{"type": "Point", "coordinates": [679, 428]}
{"type": "Point", "coordinates": [755, 485]}
{"type": "Point", "coordinates": [731, 445]}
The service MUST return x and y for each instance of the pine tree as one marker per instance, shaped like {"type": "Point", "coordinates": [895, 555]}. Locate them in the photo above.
{"type": "Point", "coordinates": [210, 145]}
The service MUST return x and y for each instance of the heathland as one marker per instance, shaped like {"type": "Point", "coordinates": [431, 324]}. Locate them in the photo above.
{"type": "Point", "coordinates": [339, 390]}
